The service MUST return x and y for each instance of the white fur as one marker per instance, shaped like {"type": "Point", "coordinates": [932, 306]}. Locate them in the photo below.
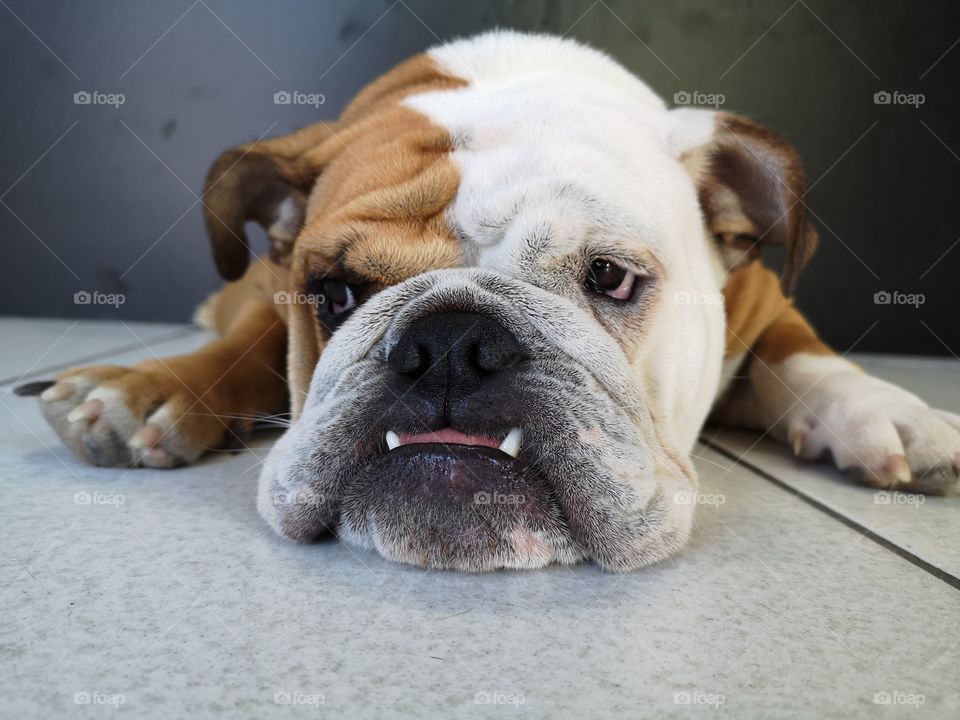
{"type": "Point", "coordinates": [824, 403]}
{"type": "Point", "coordinates": [607, 177]}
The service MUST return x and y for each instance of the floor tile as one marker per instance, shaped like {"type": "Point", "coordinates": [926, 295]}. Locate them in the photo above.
{"type": "Point", "coordinates": [33, 346]}
{"type": "Point", "coordinates": [936, 380]}
{"type": "Point", "coordinates": [924, 526]}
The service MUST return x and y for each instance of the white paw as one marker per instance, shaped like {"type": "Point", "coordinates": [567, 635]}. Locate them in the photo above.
{"type": "Point", "coordinates": [880, 434]}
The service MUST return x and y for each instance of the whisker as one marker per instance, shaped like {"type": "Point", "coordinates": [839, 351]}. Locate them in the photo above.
{"type": "Point", "coordinates": [271, 420]}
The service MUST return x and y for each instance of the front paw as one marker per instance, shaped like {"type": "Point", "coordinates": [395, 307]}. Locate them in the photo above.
{"type": "Point", "coordinates": [880, 435]}
{"type": "Point", "coordinates": [126, 417]}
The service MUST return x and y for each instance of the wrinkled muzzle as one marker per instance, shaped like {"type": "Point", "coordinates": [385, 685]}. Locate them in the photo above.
{"type": "Point", "coordinates": [464, 419]}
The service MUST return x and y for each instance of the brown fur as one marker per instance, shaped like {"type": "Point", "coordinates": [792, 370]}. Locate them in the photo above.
{"type": "Point", "coordinates": [762, 320]}
{"type": "Point", "coordinates": [764, 327]}
{"type": "Point", "coordinates": [378, 182]}
{"type": "Point", "coordinates": [751, 186]}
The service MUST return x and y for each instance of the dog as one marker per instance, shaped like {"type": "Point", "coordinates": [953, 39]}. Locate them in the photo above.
{"type": "Point", "coordinates": [504, 292]}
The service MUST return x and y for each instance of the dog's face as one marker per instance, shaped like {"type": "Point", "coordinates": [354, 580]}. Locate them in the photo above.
{"type": "Point", "coordinates": [516, 328]}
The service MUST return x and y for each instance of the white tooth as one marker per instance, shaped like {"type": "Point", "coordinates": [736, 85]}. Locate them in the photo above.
{"type": "Point", "coordinates": [393, 440]}
{"type": "Point", "coordinates": [511, 443]}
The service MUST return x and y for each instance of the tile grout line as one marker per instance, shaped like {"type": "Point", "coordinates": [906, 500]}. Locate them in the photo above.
{"type": "Point", "coordinates": [103, 354]}
{"type": "Point", "coordinates": [951, 580]}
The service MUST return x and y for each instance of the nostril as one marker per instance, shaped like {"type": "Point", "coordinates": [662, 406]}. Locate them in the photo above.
{"type": "Point", "coordinates": [408, 358]}
{"type": "Point", "coordinates": [496, 354]}
{"type": "Point", "coordinates": [455, 347]}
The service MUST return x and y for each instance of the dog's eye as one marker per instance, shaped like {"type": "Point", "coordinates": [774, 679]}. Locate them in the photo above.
{"type": "Point", "coordinates": [338, 299]}
{"type": "Point", "coordinates": [608, 278]}
{"type": "Point", "coordinates": [339, 296]}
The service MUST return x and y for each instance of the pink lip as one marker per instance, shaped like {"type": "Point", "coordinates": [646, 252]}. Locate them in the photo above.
{"type": "Point", "coordinates": [449, 436]}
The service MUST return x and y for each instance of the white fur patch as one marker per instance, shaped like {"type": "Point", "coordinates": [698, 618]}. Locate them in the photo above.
{"type": "Point", "coordinates": [564, 154]}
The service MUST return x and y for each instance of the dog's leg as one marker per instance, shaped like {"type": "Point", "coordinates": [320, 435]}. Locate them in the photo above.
{"type": "Point", "coordinates": [167, 412]}
{"type": "Point", "coordinates": [792, 385]}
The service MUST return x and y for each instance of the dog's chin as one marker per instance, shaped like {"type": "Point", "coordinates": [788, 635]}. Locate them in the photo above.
{"type": "Point", "coordinates": [457, 507]}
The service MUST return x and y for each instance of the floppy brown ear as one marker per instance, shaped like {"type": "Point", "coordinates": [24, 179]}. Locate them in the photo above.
{"type": "Point", "coordinates": [263, 182]}
{"type": "Point", "coordinates": [751, 187]}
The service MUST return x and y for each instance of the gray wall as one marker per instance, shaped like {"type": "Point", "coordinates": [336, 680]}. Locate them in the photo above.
{"type": "Point", "coordinates": [99, 198]}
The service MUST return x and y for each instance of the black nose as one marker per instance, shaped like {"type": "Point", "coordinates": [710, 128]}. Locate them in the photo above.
{"type": "Point", "coordinates": [461, 348]}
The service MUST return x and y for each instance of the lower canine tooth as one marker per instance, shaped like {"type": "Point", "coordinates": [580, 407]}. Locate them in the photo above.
{"type": "Point", "coordinates": [511, 443]}
{"type": "Point", "coordinates": [393, 440]}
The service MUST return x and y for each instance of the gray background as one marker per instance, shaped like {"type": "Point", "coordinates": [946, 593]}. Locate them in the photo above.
{"type": "Point", "coordinates": [98, 198]}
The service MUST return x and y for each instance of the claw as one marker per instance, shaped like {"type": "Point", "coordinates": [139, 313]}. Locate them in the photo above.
{"type": "Point", "coordinates": [797, 435]}
{"type": "Point", "coordinates": [33, 388]}
{"type": "Point", "coordinates": [160, 458]}
{"type": "Point", "coordinates": [796, 442]}
{"type": "Point", "coordinates": [897, 468]}
{"type": "Point", "coordinates": [89, 410]}
{"type": "Point", "coordinates": [148, 436]}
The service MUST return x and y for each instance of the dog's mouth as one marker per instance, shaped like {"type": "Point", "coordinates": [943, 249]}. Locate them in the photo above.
{"type": "Point", "coordinates": [450, 499]}
{"type": "Point", "coordinates": [509, 444]}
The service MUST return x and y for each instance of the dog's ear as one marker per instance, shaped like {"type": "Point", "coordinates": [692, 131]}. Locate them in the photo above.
{"type": "Point", "coordinates": [751, 187]}
{"type": "Point", "coordinates": [265, 182]}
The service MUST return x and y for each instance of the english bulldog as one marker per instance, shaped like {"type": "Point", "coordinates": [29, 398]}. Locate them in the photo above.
{"type": "Point", "coordinates": [505, 289]}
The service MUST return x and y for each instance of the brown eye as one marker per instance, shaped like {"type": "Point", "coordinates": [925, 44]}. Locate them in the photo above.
{"type": "Point", "coordinates": [339, 296]}
{"type": "Point", "coordinates": [335, 300]}
{"type": "Point", "coordinates": [608, 278]}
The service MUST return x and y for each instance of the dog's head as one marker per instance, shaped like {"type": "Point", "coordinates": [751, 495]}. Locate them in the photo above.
{"type": "Point", "coordinates": [507, 324]}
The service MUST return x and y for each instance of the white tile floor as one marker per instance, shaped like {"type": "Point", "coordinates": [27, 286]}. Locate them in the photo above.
{"type": "Point", "coordinates": [799, 596]}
